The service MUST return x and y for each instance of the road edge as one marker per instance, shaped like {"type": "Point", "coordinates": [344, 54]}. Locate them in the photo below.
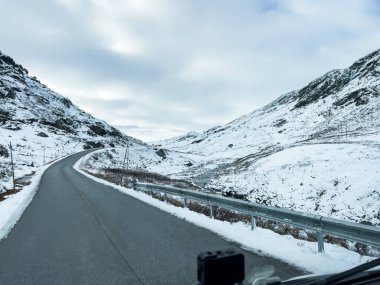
{"type": "Point", "coordinates": [13, 207]}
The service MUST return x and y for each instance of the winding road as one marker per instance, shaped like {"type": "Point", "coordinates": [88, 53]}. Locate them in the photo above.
{"type": "Point", "coordinates": [77, 231]}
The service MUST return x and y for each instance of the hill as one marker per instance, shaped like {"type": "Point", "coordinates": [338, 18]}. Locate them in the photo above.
{"type": "Point", "coordinates": [316, 149]}
{"type": "Point", "coordinates": [43, 125]}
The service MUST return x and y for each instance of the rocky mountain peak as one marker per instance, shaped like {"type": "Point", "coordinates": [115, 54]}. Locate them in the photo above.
{"type": "Point", "coordinates": [8, 64]}
{"type": "Point", "coordinates": [364, 70]}
{"type": "Point", "coordinates": [368, 66]}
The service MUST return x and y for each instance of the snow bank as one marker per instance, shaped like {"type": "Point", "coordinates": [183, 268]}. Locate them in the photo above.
{"type": "Point", "coordinates": [299, 253]}
{"type": "Point", "coordinates": [12, 208]}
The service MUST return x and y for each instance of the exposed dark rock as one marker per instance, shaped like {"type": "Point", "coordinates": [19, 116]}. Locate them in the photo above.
{"type": "Point", "coordinates": [91, 144]}
{"type": "Point", "coordinates": [99, 130]}
{"type": "Point", "coordinates": [359, 97]}
{"type": "Point", "coordinates": [4, 151]}
{"type": "Point", "coordinates": [12, 127]}
{"type": "Point", "coordinates": [64, 124]}
{"type": "Point", "coordinates": [8, 93]}
{"type": "Point", "coordinates": [7, 59]}
{"type": "Point", "coordinates": [42, 134]}
{"type": "Point", "coordinates": [330, 83]}
{"type": "Point", "coordinates": [368, 223]}
{"type": "Point", "coordinates": [188, 164]}
{"type": "Point", "coordinates": [197, 141]}
{"type": "Point", "coordinates": [114, 133]}
{"type": "Point", "coordinates": [235, 195]}
{"type": "Point", "coordinates": [42, 100]}
{"type": "Point", "coordinates": [219, 130]}
{"type": "Point", "coordinates": [161, 153]}
{"type": "Point", "coordinates": [5, 115]}
{"type": "Point", "coordinates": [279, 123]}
{"type": "Point", "coordinates": [66, 102]}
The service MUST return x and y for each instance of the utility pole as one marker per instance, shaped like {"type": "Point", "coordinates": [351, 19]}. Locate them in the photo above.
{"type": "Point", "coordinates": [44, 155]}
{"type": "Point", "coordinates": [126, 157]}
{"type": "Point", "coordinates": [12, 165]}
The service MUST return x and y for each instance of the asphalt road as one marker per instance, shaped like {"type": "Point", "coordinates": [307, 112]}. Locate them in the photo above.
{"type": "Point", "coordinates": [77, 231]}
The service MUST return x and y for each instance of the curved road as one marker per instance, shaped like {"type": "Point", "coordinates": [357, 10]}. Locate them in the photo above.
{"type": "Point", "coordinates": [77, 231]}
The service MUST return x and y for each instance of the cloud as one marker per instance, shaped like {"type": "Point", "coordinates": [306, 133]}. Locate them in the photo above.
{"type": "Point", "coordinates": [169, 67]}
{"type": "Point", "coordinates": [126, 127]}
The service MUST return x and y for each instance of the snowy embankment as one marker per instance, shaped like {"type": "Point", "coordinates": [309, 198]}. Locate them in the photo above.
{"type": "Point", "coordinates": [143, 157]}
{"type": "Point", "coordinates": [338, 180]}
{"type": "Point", "coordinates": [12, 208]}
{"type": "Point", "coordinates": [31, 152]}
{"type": "Point", "coordinates": [265, 242]}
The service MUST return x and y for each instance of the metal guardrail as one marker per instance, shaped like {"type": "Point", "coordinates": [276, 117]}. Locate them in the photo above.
{"type": "Point", "coordinates": [365, 234]}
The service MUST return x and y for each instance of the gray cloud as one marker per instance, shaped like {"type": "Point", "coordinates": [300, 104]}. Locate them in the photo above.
{"type": "Point", "coordinates": [126, 127]}
{"type": "Point", "coordinates": [161, 68]}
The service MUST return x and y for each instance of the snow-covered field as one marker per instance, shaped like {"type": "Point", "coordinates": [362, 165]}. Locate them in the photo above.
{"type": "Point", "coordinates": [147, 158]}
{"type": "Point", "coordinates": [31, 152]}
{"type": "Point", "coordinates": [299, 253]}
{"type": "Point", "coordinates": [336, 180]}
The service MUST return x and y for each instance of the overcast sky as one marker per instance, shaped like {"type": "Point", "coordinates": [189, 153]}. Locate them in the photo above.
{"type": "Point", "coordinates": [157, 69]}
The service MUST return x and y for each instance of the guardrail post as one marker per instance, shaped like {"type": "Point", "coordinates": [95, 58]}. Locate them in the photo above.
{"type": "Point", "coordinates": [13, 166]}
{"type": "Point", "coordinates": [253, 222]}
{"type": "Point", "coordinates": [212, 211]}
{"type": "Point", "coordinates": [321, 246]}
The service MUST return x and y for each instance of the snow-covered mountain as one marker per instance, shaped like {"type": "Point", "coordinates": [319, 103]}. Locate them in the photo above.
{"type": "Point", "coordinates": [316, 149]}
{"type": "Point", "coordinates": [36, 120]}
{"type": "Point", "coordinates": [339, 101]}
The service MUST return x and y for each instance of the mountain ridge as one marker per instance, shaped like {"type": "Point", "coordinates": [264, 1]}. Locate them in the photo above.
{"type": "Point", "coordinates": [42, 124]}
{"type": "Point", "coordinates": [329, 84]}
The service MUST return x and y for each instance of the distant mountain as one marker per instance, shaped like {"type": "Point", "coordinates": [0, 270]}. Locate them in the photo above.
{"type": "Point", "coordinates": [313, 149]}
{"type": "Point", "coordinates": [36, 119]}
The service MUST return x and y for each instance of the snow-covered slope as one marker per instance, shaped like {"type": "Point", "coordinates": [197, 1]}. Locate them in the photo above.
{"type": "Point", "coordinates": [313, 149]}
{"type": "Point", "coordinates": [340, 100]}
{"type": "Point", "coordinates": [36, 120]}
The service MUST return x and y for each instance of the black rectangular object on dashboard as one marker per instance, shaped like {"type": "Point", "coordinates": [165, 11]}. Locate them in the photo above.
{"type": "Point", "coordinates": [220, 267]}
